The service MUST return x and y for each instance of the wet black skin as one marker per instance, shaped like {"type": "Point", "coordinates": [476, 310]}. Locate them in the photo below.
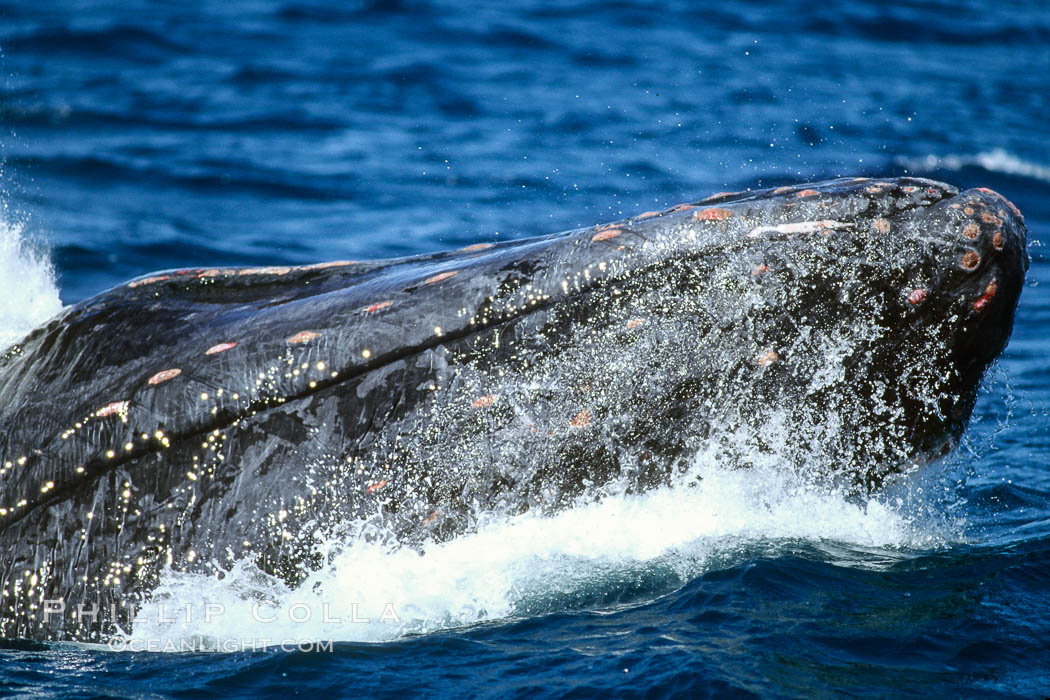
{"type": "Point", "coordinates": [541, 371]}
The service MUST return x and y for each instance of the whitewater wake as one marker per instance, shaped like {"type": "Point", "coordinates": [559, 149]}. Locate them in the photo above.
{"type": "Point", "coordinates": [528, 565]}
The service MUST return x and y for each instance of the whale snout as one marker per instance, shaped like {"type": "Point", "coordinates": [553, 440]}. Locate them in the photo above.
{"type": "Point", "coordinates": [979, 265]}
{"type": "Point", "coordinates": [996, 254]}
{"type": "Point", "coordinates": [991, 266]}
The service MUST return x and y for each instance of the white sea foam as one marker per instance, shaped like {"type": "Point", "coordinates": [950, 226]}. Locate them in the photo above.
{"type": "Point", "coordinates": [28, 293]}
{"type": "Point", "coordinates": [531, 564]}
{"type": "Point", "coordinates": [997, 161]}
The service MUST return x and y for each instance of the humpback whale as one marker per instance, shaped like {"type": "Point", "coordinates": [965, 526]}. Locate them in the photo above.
{"type": "Point", "coordinates": [194, 418]}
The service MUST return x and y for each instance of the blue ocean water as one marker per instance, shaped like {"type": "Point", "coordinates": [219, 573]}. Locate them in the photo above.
{"type": "Point", "coordinates": [140, 135]}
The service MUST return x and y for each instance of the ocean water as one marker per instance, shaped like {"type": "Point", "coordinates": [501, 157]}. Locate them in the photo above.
{"type": "Point", "coordinates": [137, 136]}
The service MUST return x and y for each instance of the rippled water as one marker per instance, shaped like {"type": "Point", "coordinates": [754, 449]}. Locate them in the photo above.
{"type": "Point", "coordinates": [150, 136]}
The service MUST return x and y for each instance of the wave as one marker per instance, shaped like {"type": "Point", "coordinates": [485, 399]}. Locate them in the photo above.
{"type": "Point", "coordinates": [620, 550]}
{"type": "Point", "coordinates": [28, 291]}
{"type": "Point", "coordinates": [996, 161]}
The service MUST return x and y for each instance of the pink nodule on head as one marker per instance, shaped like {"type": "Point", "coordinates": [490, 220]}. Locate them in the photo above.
{"type": "Point", "coordinates": [681, 207]}
{"type": "Point", "coordinates": [303, 337]}
{"type": "Point", "coordinates": [581, 419]}
{"type": "Point", "coordinates": [713, 214]}
{"type": "Point", "coordinates": [882, 226]}
{"type": "Point", "coordinates": [759, 270]}
{"type": "Point", "coordinates": [476, 246]}
{"type": "Point", "coordinates": [971, 231]}
{"type": "Point", "coordinates": [378, 307]}
{"type": "Point", "coordinates": [806, 193]}
{"type": "Point", "coordinates": [990, 218]}
{"type": "Point", "coordinates": [440, 278]}
{"type": "Point", "coordinates": [164, 376]}
{"type": "Point", "coordinates": [783, 190]}
{"type": "Point", "coordinates": [484, 401]}
{"type": "Point", "coordinates": [917, 296]}
{"type": "Point", "coordinates": [112, 409]}
{"type": "Point", "coordinates": [648, 215]}
{"type": "Point", "coordinates": [768, 358]}
{"type": "Point", "coordinates": [221, 347]}
{"type": "Point", "coordinates": [606, 234]}
{"type": "Point", "coordinates": [635, 322]}
{"type": "Point", "coordinates": [376, 485]}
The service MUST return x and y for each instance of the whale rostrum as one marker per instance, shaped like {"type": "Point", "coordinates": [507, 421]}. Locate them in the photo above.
{"type": "Point", "coordinates": [194, 418]}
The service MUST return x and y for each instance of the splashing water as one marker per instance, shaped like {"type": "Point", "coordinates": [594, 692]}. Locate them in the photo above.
{"type": "Point", "coordinates": [525, 565]}
{"type": "Point", "coordinates": [28, 293]}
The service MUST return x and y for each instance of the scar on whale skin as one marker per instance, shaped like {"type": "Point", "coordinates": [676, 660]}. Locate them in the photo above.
{"type": "Point", "coordinates": [440, 277]}
{"type": "Point", "coordinates": [148, 280]}
{"type": "Point", "coordinates": [986, 298]}
{"type": "Point", "coordinates": [606, 234]}
{"type": "Point", "coordinates": [303, 337]}
{"type": "Point", "coordinates": [221, 347]}
{"type": "Point", "coordinates": [166, 375]}
{"type": "Point", "coordinates": [378, 307]}
{"type": "Point", "coordinates": [376, 486]}
{"type": "Point", "coordinates": [111, 409]}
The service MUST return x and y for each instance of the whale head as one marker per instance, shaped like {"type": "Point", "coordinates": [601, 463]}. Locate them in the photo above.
{"type": "Point", "coordinates": [224, 414]}
{"type": "Point", "coordinates": [893, 297]}
{"type": "Point", "coordinates": [971, 284]}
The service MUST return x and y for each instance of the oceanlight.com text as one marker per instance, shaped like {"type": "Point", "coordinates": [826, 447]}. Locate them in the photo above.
{"type": "Point", "coordinates": [158, 645]}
